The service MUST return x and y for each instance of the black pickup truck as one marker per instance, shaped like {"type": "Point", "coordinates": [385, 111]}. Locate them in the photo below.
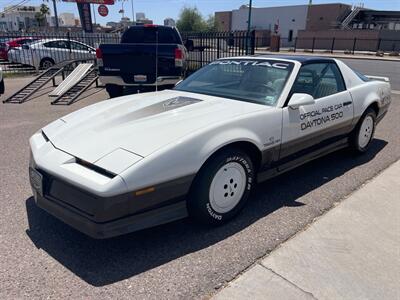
{"type": "Point", "coordinates": [149, 56]}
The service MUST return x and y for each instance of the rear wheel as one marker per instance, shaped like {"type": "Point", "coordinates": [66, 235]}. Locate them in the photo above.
{"type": "Point", "coordinates": [222, 187]}
{"type": "Point", "coordinates": [364, 132]}
{"type": "Point", "coordinates": [114, 90]}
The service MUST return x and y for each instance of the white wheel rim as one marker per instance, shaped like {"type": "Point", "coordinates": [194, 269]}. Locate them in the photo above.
{"type": "Point", "coordinates": [366, 130]}
{"type": "Point", "coordinates": [227, 187]}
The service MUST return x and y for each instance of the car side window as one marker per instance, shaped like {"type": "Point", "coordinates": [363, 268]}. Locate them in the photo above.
{"type": "Point", "coordinates": [319, 80]}
{"type": "Point", "coordinates": [57, 44]}
{"type": "Point", "coordinates": [78, 46]}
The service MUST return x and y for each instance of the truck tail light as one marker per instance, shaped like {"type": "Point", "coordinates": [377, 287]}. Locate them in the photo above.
{"type": "Point", "coordinates": [178, 57]}
{"type": "Point", "coordinates": [99, 56]}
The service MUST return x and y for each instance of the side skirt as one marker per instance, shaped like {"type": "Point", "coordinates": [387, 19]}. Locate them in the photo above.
{"type": "Point", "coordinates": [287, 166]}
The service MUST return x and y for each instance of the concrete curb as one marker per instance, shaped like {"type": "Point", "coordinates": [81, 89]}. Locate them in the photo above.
{"type": "Point", "coordinates": [351, 252]}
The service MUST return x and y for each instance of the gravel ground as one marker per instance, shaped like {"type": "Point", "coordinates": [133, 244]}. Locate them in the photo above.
{"type": "Point", "coordinates": [40, 257]}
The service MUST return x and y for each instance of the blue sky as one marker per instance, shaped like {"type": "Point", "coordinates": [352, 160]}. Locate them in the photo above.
{"type": "Point", "coordinates": [158, 10]}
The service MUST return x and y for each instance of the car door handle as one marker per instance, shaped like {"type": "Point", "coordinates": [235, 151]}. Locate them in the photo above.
{"type": "Point", "coordinates": [347, 103]}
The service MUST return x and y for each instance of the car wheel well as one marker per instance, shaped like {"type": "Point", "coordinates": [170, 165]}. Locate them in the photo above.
{"type": "Point", "coordinates": [47, 58]}
{"type": "Point", "coordinates": [248, 147]}
{"type": "Point", "coordinates": [374, 106]}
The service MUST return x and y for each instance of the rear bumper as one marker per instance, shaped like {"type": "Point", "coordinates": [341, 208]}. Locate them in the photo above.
{"type": "Point", "coordinates": [117, 80]}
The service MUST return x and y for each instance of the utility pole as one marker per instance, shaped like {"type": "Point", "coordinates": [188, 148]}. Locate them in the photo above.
{"type": "Point", "coordinates": [55, 13]}
{"type": "Point", "coordinates": [248, 27]}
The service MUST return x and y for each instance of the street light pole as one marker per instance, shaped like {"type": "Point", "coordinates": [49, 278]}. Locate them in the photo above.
{"type": "Point", "coordinates": [248, 27]}
{"type": "Point", "coordinates": [133, 15]}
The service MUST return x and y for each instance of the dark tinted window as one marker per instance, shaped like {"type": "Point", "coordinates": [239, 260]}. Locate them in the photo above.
{"type": "Point", "coordinates": [79, 46]}
{"type": "Point", "coordinates": [319, 80]}
{"type": "Point", "coordinates": [57, 44]}
{"type": "Point", "coordinates": [362, 76]}
{"type": "Point", "coordinates": [142, 34]}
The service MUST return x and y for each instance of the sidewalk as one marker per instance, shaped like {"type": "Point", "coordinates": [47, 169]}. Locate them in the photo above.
{"type": "Point", "coordinates": [352, 252]}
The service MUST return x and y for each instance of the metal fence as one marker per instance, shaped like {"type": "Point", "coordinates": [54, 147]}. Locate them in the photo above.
{"type": "Point", "coordinates": [31, 52]}
{"type": "Point", "coordinates": [208, 46]}
{"type": "Point", "coordinates": [37, 51]}
{"type": "Point", "coordinates": [331, 45]}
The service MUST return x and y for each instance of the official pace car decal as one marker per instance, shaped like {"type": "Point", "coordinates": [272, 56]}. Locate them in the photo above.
{"type": "Point", "coordinates": [258, 63]}
{"type": "Point", "coordinates": [321, 116]}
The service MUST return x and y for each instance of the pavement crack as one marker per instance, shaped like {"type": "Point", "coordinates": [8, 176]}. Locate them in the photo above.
{"type": "Point", "coordinates": [290, 282]}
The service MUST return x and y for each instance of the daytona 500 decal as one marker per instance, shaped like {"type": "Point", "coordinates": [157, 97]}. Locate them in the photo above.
{"type": "Point", "coordinates": [321, 116]}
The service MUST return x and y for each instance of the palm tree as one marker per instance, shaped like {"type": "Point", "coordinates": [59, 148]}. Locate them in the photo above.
{"type": "Point", "coordinates": [41, 15]}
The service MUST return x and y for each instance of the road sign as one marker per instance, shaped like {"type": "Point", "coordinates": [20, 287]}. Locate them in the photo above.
{"type": "Point", "coordinates": [106, 2]}
{"type": "Point", "coordinates": [103, 10]}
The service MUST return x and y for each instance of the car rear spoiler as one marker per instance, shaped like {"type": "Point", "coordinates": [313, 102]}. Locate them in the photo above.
{"type": "Point", "coordinates": [385, 79]}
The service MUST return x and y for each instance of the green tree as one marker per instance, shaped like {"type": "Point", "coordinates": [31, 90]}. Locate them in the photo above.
{"type": "Point", "coordinates": [211, 24]}
{"type": "Point", "coordinates": [41, 15]}
{"type": "Point", "coordinates": [190, 19]}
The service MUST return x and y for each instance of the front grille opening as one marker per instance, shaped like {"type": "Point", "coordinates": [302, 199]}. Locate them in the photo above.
{"type": "Point", "coordinates": [95, 168]}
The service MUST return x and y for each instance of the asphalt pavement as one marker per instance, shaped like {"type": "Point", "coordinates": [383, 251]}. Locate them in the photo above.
{"type": "Point", "coordinates": [40, 257]}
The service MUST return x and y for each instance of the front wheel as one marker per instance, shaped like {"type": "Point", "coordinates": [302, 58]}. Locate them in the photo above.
{"type": "Point", "coordinates": [364, 132]}
{"type": "Point", "coordinates": [222, 187]}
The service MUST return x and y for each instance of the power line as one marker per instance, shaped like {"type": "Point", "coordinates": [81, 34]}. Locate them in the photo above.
{"type": "Point", "coordinates": [16, 6]}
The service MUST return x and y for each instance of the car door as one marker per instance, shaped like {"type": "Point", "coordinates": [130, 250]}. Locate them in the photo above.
{"type": "Point", "coordinates": [310, 127]}
{"type": "Point", "coordinates": [58, 50]}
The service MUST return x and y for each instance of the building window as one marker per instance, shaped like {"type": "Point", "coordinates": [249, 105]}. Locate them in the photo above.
{"type": "Point", "coordinates": [290, 36]}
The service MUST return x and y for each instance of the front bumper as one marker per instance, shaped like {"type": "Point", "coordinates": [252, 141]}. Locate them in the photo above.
{"type": "Point", "coordinates": [105, 217]}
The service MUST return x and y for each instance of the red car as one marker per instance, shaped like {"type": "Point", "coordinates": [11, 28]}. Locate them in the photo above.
{"type": "Point", "coordinates": [15, 43]}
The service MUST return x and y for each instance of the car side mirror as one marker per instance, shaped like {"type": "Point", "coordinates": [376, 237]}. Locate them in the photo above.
{"type": "Point", "coordinates": [300, 99]}
{"type": "Point", "coordinates": [25, 47]}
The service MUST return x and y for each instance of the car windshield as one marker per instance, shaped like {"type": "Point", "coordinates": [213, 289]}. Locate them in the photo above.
{"type": "Point", "coordinates": [255, 80]}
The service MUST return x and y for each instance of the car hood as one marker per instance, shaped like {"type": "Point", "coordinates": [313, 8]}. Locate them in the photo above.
{"type": "Point", "coordinates": [140, 124]}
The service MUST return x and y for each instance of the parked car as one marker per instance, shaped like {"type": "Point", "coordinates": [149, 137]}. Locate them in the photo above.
{"type": "Point", "coordinates": [45, 53]}
{"type": "Point", "coordinates": [5, 46]}
{"type": "Point", "coordinates": [146, 159]}
{"type": "Point", "coordinates": [2, 89]}
{"type": "Point", "coordinates": [148, 56]}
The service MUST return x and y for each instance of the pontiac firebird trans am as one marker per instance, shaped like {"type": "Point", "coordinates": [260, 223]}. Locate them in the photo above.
{"type": "Point", "coordinates": [142, 160]}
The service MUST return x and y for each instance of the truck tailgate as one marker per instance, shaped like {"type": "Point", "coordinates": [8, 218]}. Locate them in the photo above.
{"type": "Point", "coordinates": [128, 60]}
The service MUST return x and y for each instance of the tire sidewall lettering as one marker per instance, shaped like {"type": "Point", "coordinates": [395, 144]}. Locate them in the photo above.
{"type": "Point", "coordinates": [249, 184]}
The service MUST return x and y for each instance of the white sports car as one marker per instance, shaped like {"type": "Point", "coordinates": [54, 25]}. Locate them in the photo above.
{"type": "Point", "coordinates": [141, 160]}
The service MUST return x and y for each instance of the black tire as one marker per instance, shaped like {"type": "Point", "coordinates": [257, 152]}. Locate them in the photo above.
{"type": "Point", "coordinates": [114, 90]}
{"type": "Point", "coordinates": [355, 145]}
{"type": "Point", "coordinates": [199, 204]}
{"type": "Point", "coordinates": [46, 63]}
{"type": "Point", "coordinates": [2, 87]}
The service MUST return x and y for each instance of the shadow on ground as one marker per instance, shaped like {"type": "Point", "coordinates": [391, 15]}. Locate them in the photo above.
{"type": "Point", "coordinates": [102, 262]}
